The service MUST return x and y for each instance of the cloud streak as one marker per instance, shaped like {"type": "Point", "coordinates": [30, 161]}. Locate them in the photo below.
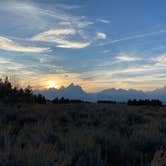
{"type": "Point", "coordinates": [58, 26]}
{"type": "Point", "coordinates": [160, 60]}
{"type": "Point", "coordinates": [60, 38]}
{"type": "Point", "coordinates": [104, 21]}
{"type": "Point", "coordinates": [133, 37]}
{"type": "Point", "coordinates": [9, 45]}
{"type": "Point", "coordinates": [41, 15]}
{"type": "Point", "coordinates": [127, 58]}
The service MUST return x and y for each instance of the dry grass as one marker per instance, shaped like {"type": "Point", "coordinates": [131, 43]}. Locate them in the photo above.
{"type": "Point", "coordinates": [81, 134]}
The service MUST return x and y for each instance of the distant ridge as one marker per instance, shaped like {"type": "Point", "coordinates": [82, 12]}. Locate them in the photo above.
{"type": "Point", "coordinates": [76, 92]}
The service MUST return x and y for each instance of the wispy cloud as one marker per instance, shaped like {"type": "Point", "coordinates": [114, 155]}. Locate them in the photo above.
{"type": "Point", "coordinates": [67, 6]}
{"type": "Point", "coordinates": [71, 44]}
{"type": "Point", "coordinates": [8, 65]}
{"type": "Point", "coordinates": [133, 37]}
{"type": "Point", "coordinates": [61, 38]}
{"type": "Point", "coordinates": [42, 17]}
{"type": "Point", "coordinates": [133, 77]}
{"type": "Point", "coordinates": [58, 26]}
{"type": "Point", "coordinates": [105, 21]}
{"type": "Point", "coordinates": [127, 58]}
{"type": "Point", "coordinates": [9, 45]}
{"type": "Point", "coordinates": [53, 35]}
{"type": "Point", "coordinates": [160, 60]}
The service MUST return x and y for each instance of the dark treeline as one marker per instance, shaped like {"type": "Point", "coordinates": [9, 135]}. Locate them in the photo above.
{"type": "Point", "coordinates": [12, 95]}
{"type": "Point", "coordinates": [62, 100]}
{"type": "Point", "coordinates": [106, 102]}
{"type": "Point", "coordinates": [145, 102]}
{"type": "Point", "coordinates": [153, 102]}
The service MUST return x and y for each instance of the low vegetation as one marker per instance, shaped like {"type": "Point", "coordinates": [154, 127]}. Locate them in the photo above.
{"type": "Point", "coordinates": [81, 134]}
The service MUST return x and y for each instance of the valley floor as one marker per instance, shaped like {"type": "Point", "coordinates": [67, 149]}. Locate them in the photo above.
{"type": "Point", "coordinates": [81, 134]}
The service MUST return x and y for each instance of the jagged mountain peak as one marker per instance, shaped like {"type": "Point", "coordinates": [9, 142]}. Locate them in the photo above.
{"type": "Point", "coordinates": [74, 91]}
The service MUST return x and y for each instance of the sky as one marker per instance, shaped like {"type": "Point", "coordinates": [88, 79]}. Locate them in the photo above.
{"type": "Point", "coordinates": [97, 44]}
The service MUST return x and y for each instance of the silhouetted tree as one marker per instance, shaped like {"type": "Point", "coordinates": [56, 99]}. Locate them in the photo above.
{"type": "Point", "coordinates": [145, 102]}
{"type": "Point", "coordinates": [61, 100]}
{"type": "Point", "coordinates": [28, 94]}
{"type": "Point", "coordinates": [12, 95]}
{"type": "Point", "coordinates": [106, 101]}
{"type": "Point", "coordinates": [55, 101]}
{"type": "Point", "coordinates": [39, 99]}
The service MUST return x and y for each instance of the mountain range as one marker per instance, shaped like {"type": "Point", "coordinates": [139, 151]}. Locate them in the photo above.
{"type": "Point", "coordinates": [121, 95]}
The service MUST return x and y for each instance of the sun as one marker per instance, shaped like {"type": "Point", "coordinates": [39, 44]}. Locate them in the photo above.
{"type": "Point", "coordinates": [52, 84]}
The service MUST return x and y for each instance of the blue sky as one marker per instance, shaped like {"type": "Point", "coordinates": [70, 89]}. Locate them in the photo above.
{"type": "Point", "coordinates": [97, 44]}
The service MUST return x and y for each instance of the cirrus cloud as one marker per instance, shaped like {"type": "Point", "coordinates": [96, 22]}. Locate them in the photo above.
{"type": "Point", "coordinates": [9, 45]}
{"type": "Point", "coordinates": [61, 38]}
{"type": "Point", "coordinates": [127, 58]}
{"type": "Point", "coordinates": [160, 60]}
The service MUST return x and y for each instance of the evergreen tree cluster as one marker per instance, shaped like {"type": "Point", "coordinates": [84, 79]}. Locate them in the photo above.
{"type": "Point", "coordinates": [106, 102]}
{"type": "Point", "coordinates": [62, 100]}
{"type": "Point", "coordinates": [145, 102]}
{"type": "Point", "coordinates": [12, 95]}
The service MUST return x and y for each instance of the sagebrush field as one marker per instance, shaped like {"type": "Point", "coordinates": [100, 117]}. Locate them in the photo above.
{"type": "Point", "coordinates": [81, 134]}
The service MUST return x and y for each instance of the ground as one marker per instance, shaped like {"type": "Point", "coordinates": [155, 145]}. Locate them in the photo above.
{"type": "Point", "coordinates": [81, 134]}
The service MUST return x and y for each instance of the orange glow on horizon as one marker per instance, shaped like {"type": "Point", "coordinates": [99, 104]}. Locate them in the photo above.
{"type": "Point", "coordinates": [52, 84]}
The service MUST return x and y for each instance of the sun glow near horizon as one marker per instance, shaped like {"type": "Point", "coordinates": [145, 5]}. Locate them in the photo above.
{"type": "Point", "coordinates": [52, 84]}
